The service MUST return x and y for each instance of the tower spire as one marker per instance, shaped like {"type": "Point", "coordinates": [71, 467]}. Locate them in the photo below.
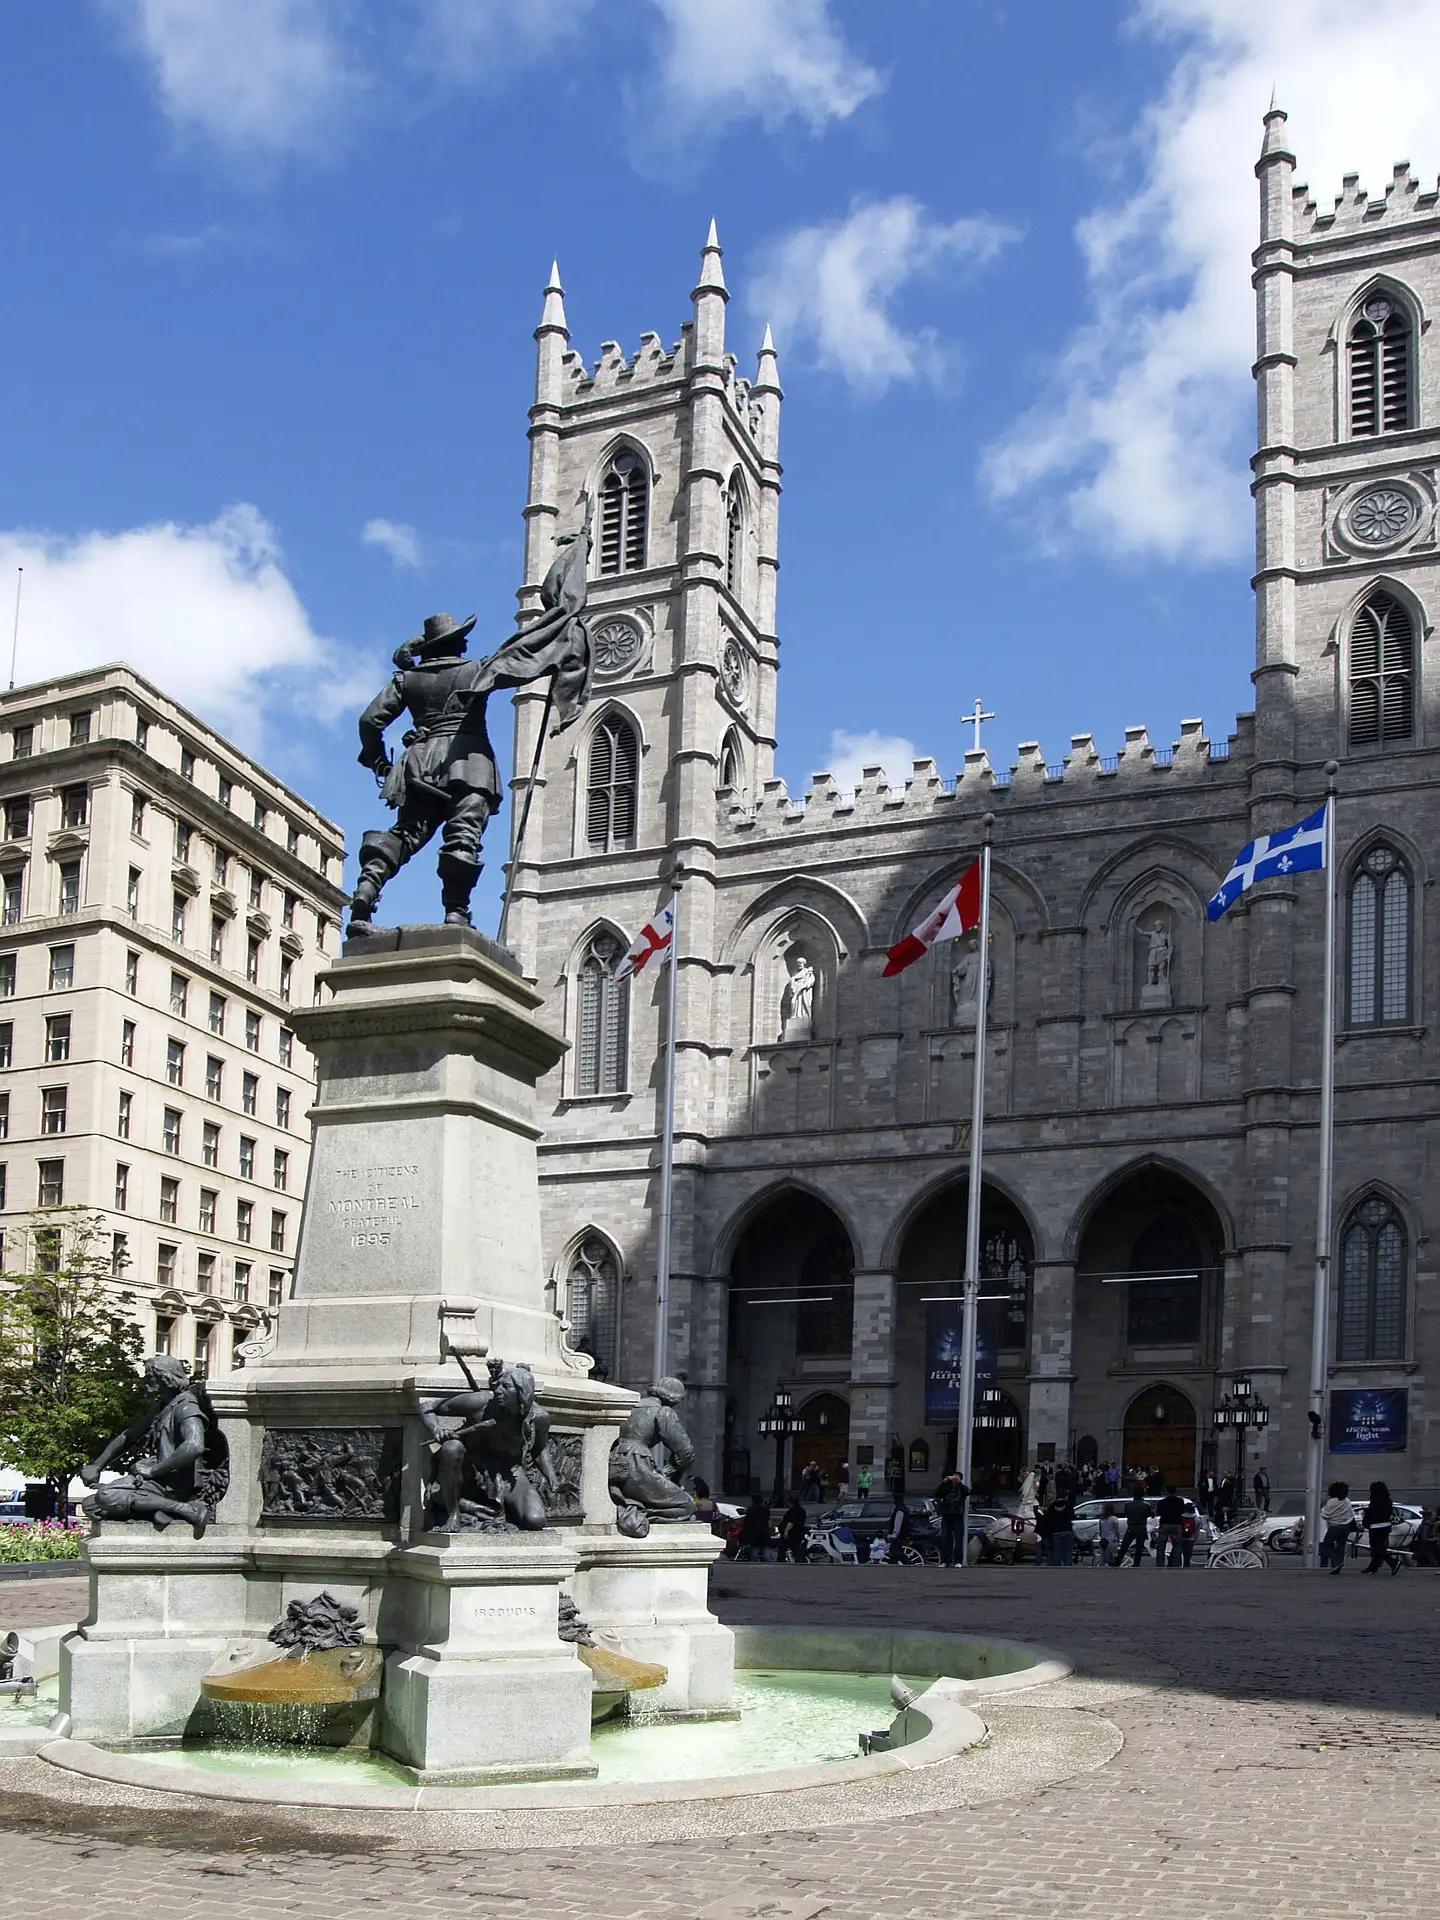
{"type": "Point", "coordinates": [767, 366]}
{"type": "Point", "coordinates": [712, 273]}
{"type": "Point", "coordinates": [552, 314]}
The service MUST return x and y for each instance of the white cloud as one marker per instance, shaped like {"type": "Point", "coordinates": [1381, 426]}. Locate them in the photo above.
{"type": "Point", "coordinates": [851, 753]}
{"type": "Point", "coordinates": [205, 612]}
{"type": "Point", "coordinates": [832, 287]}
{"type": "Point", "coordinates": [264, 77]}
{"type": "Point", "coordinates": [402, 543]}
{"type": "Point", "coordinates": [772, 60]}
{"type": "Point", "coordinates": [1141, 438]}
{"type": "Point", "coordinates": [471, 41]}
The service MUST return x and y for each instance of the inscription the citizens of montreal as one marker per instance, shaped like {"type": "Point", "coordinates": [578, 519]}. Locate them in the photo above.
{"type": "Point", "coordinates": [367, 1205]}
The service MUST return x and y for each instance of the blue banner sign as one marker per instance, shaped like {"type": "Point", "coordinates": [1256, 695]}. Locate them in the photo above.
{"type": "Point", "coordinates": [944, 1338]}
{"type": "Point", "coordinates": [1373, 1421]}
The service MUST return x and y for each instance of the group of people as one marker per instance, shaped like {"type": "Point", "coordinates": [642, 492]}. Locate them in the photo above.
{"type": "Point", "coordinates": [1377, 1519]}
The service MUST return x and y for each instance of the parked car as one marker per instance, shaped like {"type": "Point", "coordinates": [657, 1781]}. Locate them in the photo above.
{"type": "Point", "coordinates": [869, 1518]}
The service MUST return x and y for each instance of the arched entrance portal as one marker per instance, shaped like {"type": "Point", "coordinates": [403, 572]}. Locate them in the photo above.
{"type": "Point", "coordinates": [1160, 1432]}
{"type": "Point", "coordinates": [825, 1439]}
{"type": "Point", "coordinates": [995, 1457]}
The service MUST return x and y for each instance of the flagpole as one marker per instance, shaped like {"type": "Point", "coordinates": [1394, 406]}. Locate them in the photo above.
{"type": "Point", "coordinates": [667, 1151]}
{"type": "Point", "coordinates": [965, 1411]}
{"type": "Point", "coordinates": [1320, 1312]}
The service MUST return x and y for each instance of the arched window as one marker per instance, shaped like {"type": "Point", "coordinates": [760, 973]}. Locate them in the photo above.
{"type": "Point", "coordinates": [731, 765]}
{"type": "Point", "coordinates": [1380, 941]}
{"type": "Point", "coordinates": [1372, 1283]}
{"type": "Point", "coordinates": [592, 1299]}
{"type": "Point", "coordinates": [611, 786]}
{"type": "Point", "coordinates": [603, 1054]}
{"type": "Point", "coordinates": [1379, 348]}
{"type": "Point", "coordinates": [734, 535]}
{"type": "Point", "coordinates": [1382, 673]}
{"type": "Point", "coordinates": [624, 513]}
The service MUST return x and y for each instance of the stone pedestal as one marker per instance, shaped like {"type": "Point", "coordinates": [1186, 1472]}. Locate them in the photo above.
{"type": "Point", "coordinates": [649, 1598]}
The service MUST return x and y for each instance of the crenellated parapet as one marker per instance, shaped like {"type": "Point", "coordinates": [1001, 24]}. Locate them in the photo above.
{"type": "Point", "coordinates": [1356, 211]}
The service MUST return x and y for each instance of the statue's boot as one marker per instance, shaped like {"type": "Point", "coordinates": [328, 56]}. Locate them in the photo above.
{"type": "Point", "coordinates": [379, 860]}
{"type": "Point", "coordinates": [458, 874]}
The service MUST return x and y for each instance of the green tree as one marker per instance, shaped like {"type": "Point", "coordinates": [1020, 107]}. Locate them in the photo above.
{"type": "Point", "coordinates": [70, 1352]}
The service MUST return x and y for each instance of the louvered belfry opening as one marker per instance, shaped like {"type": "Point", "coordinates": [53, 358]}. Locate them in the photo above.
{"type": "Point", "coordinates": [1380, 941]}
{"type": "Point", "coordinates": [624, 514]}
{"type": "Point", "coordinates": [1382, 673]}
{"type": "Point", "coordinates": [611, 788]}
{"type": "Point", "coordinates": [604, 1020]}
{"type": "Point", "coordinates": [1380, 369]}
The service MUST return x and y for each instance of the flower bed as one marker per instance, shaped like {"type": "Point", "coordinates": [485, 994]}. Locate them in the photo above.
{"type": "Point", "coordinates": [41, 1540]}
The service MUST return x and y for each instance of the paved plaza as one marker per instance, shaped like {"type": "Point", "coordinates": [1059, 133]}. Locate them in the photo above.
{"type": "Point", "coordinates": [1246, 1743]}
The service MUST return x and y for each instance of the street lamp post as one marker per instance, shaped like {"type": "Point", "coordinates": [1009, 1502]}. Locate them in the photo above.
{"type": "Point", "coordinates": [780, 1421]}
{"type": "Point", "coordinates": [1240, 1408]}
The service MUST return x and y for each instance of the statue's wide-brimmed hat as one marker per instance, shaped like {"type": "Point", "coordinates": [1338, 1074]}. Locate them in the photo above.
{"type": "Point", "coordinates": [442, 630]}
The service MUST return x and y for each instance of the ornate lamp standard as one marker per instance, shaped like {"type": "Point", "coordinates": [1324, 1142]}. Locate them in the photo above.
{"type": "Point", "coordinates": [1240, 1408]}
{"type": "Point", "coordinates": [780, 1421]}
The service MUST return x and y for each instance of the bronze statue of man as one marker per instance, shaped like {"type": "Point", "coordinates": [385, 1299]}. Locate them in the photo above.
{"type": "Point", "coordinates": [497, 1466]}
{"type": "Point", "coordinates": [445, 779]}
{"type": "Point", "coordinates": [169, 1480]}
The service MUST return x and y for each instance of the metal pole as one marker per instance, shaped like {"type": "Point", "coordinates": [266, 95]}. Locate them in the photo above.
{"type": "Point", "coordinates": [965, 1413]}
{"type": "Point", "coordinates": [1320, 1311]}
{"type": "Point", "coordinates": [667, 1161]}
{"type": "Point", "coordinates": [15, 634]}
{"type": "Point", "coordinates": [525, 812]}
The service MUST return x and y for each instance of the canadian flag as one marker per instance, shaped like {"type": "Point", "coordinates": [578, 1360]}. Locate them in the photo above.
{"type": "Point", "coordinates": [651, 940]}
{"type": "Point", "coordinates": [957, 913]}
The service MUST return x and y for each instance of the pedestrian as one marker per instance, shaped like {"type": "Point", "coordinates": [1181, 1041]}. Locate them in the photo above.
{"type": "Point", "coordinates": [1107, 1544]}
{"type": "Point", "coordinates": [1137, 1522]}
{"type": "Point", "coordinates": [811, 1487]}
{"type": "Point", "coordinates": [1189, 1532]}
{"type": "Point", "coordinates": [1042, 1486]}
{"type": "Point", "coordinates": [794, 1524]}
{"type": "Point", "coordinates": [704, 1505]}
{"type": "Point", "coordinates": [1062, 1531]}
{"type": "Point", "coordinates": [755, 1529]}
{"type": "Point", "coordinates": [1044, 1527]}
{"type": "Point", "coordinates": [1339, 1518]}
{"type": "Point", "coordinates": [1170, 1533]}
{"type": "Point", "coordinates": [1261, 1484]}
{"type": "Point", "coordinates": [899, 1532]}
{"type": "Point", "coordinates": [950, 1498]}
{"type": "Point", "coordinates": [1229, 1500]}
{"type": "Point", "coordinates": [1378, 1519]}
{"type": "Point", "coordinates": [1423, 1547]}
{"type": "Point", "coordinates": [864, 1480]}
{"type": "Point", "coordinates": [844, 1479]}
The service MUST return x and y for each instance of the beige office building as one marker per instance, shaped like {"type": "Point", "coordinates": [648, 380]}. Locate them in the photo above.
{"type": "Point", "coordinates": [165, 903]}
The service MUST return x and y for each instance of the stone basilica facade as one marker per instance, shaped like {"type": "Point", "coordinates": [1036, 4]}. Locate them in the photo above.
{"type": "Point", "coordinates": [1150, 1178]}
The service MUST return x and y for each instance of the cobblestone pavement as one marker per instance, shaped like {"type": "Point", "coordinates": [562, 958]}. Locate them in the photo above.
{"type": "Point", "coordinates": [1281, 1756]}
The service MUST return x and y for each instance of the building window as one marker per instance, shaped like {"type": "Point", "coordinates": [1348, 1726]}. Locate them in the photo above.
{"type": "Point", "coordinates": [252, 1032]}
{"type": "Point", "coordinates": [225, 792]}
{"type": "Point", "coordinates": [604, 1012]}
{"type": "Point", "coordinates": [169, 1201]}
{"type": "Point", "coordinates": [22, 743]}
{"type": "Point", "coordinates": [1372, 1283]}
{"type": "Point", "coordinates": [287, 976]}
{"type": "Point", "coordinates": [7, 1042]}
{"type": "Point", "coordinates": [214, 1077]}
{"type": "Point", "coordinates": [592, 1296]}
{"type": "Point", "coordinates": [4, 1195]}
{"type": "Point", "coordinates": [322, 932]}
{"type": "Point", "coordinates": [164, 1333]}
{"type": "Point", "coordinates": [11, 912]}
{"type": "Point", "coordinates": [257, 889]}
{"type": "Point", "coordinates": [210, 1144]}
{"type": "Point", "coordinates": [175, 1062]}
{"type": "Point", "coordinates": [132, 972]}
{"type": "Point", "coordinates": [250, 1094]}
{"type": "Point", "coordinates": [62, 968]}
{"type": "Point", "coordinates": [287, 1047]}
{"type": "Point", "coordinates": [205, 1272]}
{"type": "Point", "coordinates": [7, 976]}
{"type": "Point", "coordinates": [1382, 673]}
{"type": "Point", "coordinates": [209, 1201]}
{"type": "Point", "coordinates": [182, 840]}
{"type": "Point", "coordinates": [277, 1287]}
{"type": "Point", "coordinates": [734, 534]}
{"type": "Point", "coordinates": [242, 1279]}
{"type": "Point", "coordinates": [122, 1187]}
{"type": "Point", "coordinates": [179, 995]}
{"type": "Point", "coordinates": [624, 513]}
{"type": "Point", "coordinates": [166, 1263]}
{"type": "Point", "coordinates": [124, 1111]}
{"type": "Point", "coordinates": [178, 904]}
{"type": "Point", "coordinates": [252, 960]}
{"type": "Point", "coordinates": [132, 893]}
{"type": "Point", "coordinates": [730, 775]}
{"type": "Point", "coordinates": [282, 1170]}
{"type": "Point", "coordinates": [54, 1109]}
{"type": "Point", "coordinates": [137, 814]}
{"type": "Point", "coordinates": [1380, 941]}
{"type": "Point", "coordinates": [611, 786]}
{"type": "Point", "coordinates": [277, 1232]}
{"type": "Point", "coordinates": [262, 816]}
{"type": "Point", "coordinates": [287, 911]}
{"type": "Point", "coordinates": [142, 732]}
{"type": "Point", "coordinates": [127, 1043]}
{"type": "Point", "coordinates": [74, 806]}
{"type": "Point", "coordinates": [217, 939]}
{"type": "Point", "coordinates": [69, 886]}
{"type": "Point", "coordinates": [17, 817]}
{"type": "Point", "coordinates": [80, 728]}
{"type": "Point", "coordinates": [282, 1107]}
{"type": "Point", "coordinates": [292, 839]}
{"type": "Point", "coordinates": [217, 1013]}
{"type": "Point", "coordinates": [47, 1250]}
{"type": "Point", "coordinates": [247, 1157]}
{"type": "Point", "coordinates": [51, 1183]}
{"type": "Point", "coordinates": [119, 1253]}
{"type": "Point", "coordinates": [187, 764]}
{"type": "Point", "coordinates": [244, 1221]}
{"type": "Point", "coordinates": [221, 869]}
{"type": "Point", "coordinates": [170, 1134]}
{"type": "Point", "coordinates": [4, 1117]}
{"type": "Point", "coordinates": [57, 1037]}
{"type": "Point", "coordinates": [1380, 369]}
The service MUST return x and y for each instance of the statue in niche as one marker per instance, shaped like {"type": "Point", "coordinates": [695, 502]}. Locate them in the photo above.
{"type": "Point", "coordinates": [965, 983]}
{"type": "Point", "coordinates": [181, 1473]}
{"type": "Point", "coordinates": [493, 1473]}
{"type": "Point", "coordinates": [1156, 957]}
{"type": "Point", "coordinates": [797, 1002]}
{"type": "Point", "coordinates": [647, 1461]}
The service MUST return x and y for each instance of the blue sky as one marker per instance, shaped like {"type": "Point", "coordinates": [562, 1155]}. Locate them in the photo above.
{"type": "Point", "coordinates": [272, 270]}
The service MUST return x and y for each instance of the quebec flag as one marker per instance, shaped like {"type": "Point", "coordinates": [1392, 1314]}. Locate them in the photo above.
{"type": "Point", "coordinates": [1297, 849]}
